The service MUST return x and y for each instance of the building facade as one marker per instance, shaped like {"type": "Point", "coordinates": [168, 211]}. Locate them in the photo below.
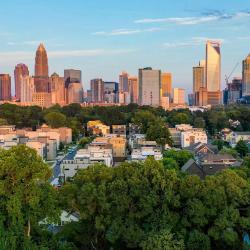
{"type": "Point", "coordinates": [246, 76]}
{"type": "Point", "coordinates": [21, 70]}
{"type": "Point", "coordinates": [213, 72]}
{"type": "Point", "coordinates": [149, 87]}
{"type": "Point", "coordinates": [5, 87]}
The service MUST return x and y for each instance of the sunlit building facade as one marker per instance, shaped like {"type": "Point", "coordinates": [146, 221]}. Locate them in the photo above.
{"type": "Point", "coordinates": [246, 76]}
{"type": "Point", "coordinates": [213, 72]}
{"type": "Point", "coordinates": [166, 84]}
{"type": "Point", "coordinates": [149, 87]}
{"type": "Point", "coordinates": [5, 87]}
{"type": "Point", "coordinates": [21, 70]}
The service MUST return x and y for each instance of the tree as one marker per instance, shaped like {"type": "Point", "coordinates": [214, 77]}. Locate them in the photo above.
{"type": "Point", "coordinates": [84, 141]}
{"type": "Point", "coordinates": [3, 122]}
{"type": "Point", "coordinates": [199, 122]}
{"type": "Point", "coordinates": [55, 119]}
{"type": "Point", "coordinates": [170, 163]}
{"type": "Point", "coordinates": [219, 143]}
{"type": "Point", "coordinates": [242, 148]}
{"type": "Point", "coordinates": [198, 240]}
{"type": "Point", "coordinates": [159, 132]}
{"type": "Point", "coordinates": [180, 156]}
{"type": "Point", "coordinates": [163, 240]}
{"type": "Point", "coordinates": [25, 193]}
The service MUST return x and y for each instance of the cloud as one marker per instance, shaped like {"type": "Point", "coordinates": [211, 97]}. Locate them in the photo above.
{"type": "Point", "coordinates": [243, 38]}
{"type": "Point", "coordinates": [194, 41]}
{"type": "Point", "coordinates": [206, 17]}
{"type": "Point", "coordinates": [17, 56]}
{"type": "Point", "coordinates": [122, 32]}
{"type": "Point", "coordinates": [28, 43]}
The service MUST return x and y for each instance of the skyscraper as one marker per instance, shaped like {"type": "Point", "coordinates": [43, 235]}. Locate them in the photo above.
{"type": "Point", "coordinates": [123, 82]}
{"type": "Point", "coordinates": [97, 90]}
{"type": "Point", "coordinates": [246, 76]}
{"type": "Point", "coordinates": [178, 96]}
{"type": "Point", "coordinates": [57, 89]}
{"type": "Point", "coordinates": [149, 87]}
{"type": "Point", "coordinates": [27, 88]}
{"type": "Point", "coordinates": [21, 70]}
{"type": "Point", "coordinates": [199, 84]}
{"type": "Point", "coordinates": [111, 92]}
{"type": "Point", "coordinates": [166, 84]}
{"type": "Point", "coordinates": [41, 70]}
{"type": "Point", "coordinates": [72, 76]}
{"type": "Point", "coordinates": [213, 72]}
{"type": "Point", "coordinates": [75, 92]}
{"type": "Point", "coordinates": [133, 89]}
{"type": "Point", "coordinates": [5, 87]}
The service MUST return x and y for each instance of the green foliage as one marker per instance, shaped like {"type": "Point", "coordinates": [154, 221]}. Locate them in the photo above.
{"type": "Point", "coordinates": [199, 122]}
{"type": "Point", "coordinates": [229, 151]}
{"type": "Point", "coordinates": [220, 144]}
{"type": "Point", "coordinates": [198, 240]}
{"type": "Point", "coordinates": [55, 119]}
{"type": "Point", "coordinates": [180, 156]}
{"type": "Point", "coordinates": [26, 196]}
{"type": "Point", "coordinates": [84, 141]}
{"type": "Point", "coordinates": [163, 240]}
{"type": "Point", "coordinates": [242, 148]}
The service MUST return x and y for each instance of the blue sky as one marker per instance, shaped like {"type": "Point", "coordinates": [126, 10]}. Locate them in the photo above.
{"type": "Point", "coordinates": [105, 37]}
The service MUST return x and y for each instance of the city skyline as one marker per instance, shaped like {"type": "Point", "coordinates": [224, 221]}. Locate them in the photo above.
{"type": "Point", "coordinates": [164, 36]}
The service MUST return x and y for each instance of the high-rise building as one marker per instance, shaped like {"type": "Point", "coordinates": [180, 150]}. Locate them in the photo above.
{"type": "Point", "coordinates": [21, 70]}
{"type": "Point", "coordinates": [213, 72]}
{"type": "Point", "coordinates": [198, 83]}
{"type": "Point", "coordinates": [97, 90]}
{"type": "Point", "coordinates": [57, 89]}
{"type": "Point", "coordinates": [233, 92]}
{"type": "Point", "coordinates": [111, 92]}
{"type": "Point", "coordinates": [27, 88]}
{"type": "Point", "coordinates": [72, 76]}
{"type": "Point", "coordinates": [42, 99]}
{"type": "Point", "coordinates": [149, 87]}
{"type": "Point", "coordinates": [246, 76]}
{"type": "Point", "coordinates": [123, 82]}
{"type": "Point", "coordinates": [133, 89]}
{"type": "Point", "coordinates": [5, 87]}
{"type": "Point", "coordinates": [178, 96]}
{"type": "Point", "coordinates": [41, 70]}
{"type": "Point", "coordinates": [75, 93]}
{"type": "Point", "coordinates": [166, 84]}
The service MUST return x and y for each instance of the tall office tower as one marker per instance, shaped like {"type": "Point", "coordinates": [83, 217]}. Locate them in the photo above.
{"type": "Point", "coordinates": [111, 92]}
{"type": "Point", "coordinates": [57, 89]}
{"type": "Point", "coordinates": [149, 87]}
{"type": "Point", "coordinates": [178, 96]}
{"type": "Point", "coordinates": [89, 96]}
{"type": "Point", "coordinates": [233, 92]}
{"type": "Point", "coordinates": [41, 70]}
{"type": "Point", "coordinates": [72, 76]}
{"type": "Point", "coordinates": [5, 87]}
{"type": "Point", "coordinates": [21, 70]}
{"type": "Point", "coordinates": [123, 82]}
{"type": "Point", "coordinates": [213, 72]}
{"type": "Point", "coordinates": [246, 76]}
{"type": "Point", "coordinates": [97, 90]}
{"type": "Point", "coordinates": [166, 84]}
{"type": "Point", "coordinates": [75, 93]}
{"type": "Point", "coordinates": [199, 83]}
{"type": "Point", "coordinates": [133, 89]}
{"type": "Point", "coordinates": [27, 88]}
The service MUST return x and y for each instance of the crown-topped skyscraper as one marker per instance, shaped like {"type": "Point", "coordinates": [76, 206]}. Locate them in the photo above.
{"type": "Point", "coordinates": [41, 70]}
{"type": "Point", "coordinates": [41, 63]}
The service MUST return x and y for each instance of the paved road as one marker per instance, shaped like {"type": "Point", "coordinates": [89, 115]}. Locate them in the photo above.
{"type": "Point", "coordinates": [57, 166]}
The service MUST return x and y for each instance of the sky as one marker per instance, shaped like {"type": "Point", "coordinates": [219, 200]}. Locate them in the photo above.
{"type": "Point", "coordinates": [105, 37]}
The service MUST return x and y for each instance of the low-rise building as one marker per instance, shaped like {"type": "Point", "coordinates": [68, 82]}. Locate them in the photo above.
{"type": "Point", "coordinates": [234, 137]}
{"type": "Point", "coordinates": [141, 154]}
{"type": "Point", "coordinates": [193, 136]}
{"type": "Point", "coordinates": [97, 127]}
{"type": "Point", "coordinates": [119, 129]}
{"type": "Point", "coordinates": [85, 158]}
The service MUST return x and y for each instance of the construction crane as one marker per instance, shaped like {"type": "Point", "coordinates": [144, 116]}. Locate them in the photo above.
{"type": "Point", "coordinates": [229, 76]}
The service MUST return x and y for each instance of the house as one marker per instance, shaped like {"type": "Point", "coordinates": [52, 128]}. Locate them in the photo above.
{"type": "Point", "coordinates": [143, 153]}
{"type": "Point", "coordinates": [119, 129]}
{"type": "Point", "coordinates": [200, 149]}
{"type": "Point", "coordinates": [210, 165]}
{"type": "Point", "coordinates": [234, 137]}
{"type": "Point", "coordinates": [97, 127]}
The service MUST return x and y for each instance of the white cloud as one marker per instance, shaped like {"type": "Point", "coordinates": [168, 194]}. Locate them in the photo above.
{"type": "Point", "coordinates": [195, 20]}
{"type": "Point", "coordinates": [194, 41]}
{"type": "Point", "coordinates": [121, 32]}
{"type": "Point", "coordinates": [17, 56]}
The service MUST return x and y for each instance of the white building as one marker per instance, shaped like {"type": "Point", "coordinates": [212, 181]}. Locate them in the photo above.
{"type": "Point", "coordinates": [85, 158]}
{"type": "Point", "coordinates": [193, 136]}
{"type": "Point", "coordinates": [234, 137]}
{"type": "Point", "coordinates": [143, 153]}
